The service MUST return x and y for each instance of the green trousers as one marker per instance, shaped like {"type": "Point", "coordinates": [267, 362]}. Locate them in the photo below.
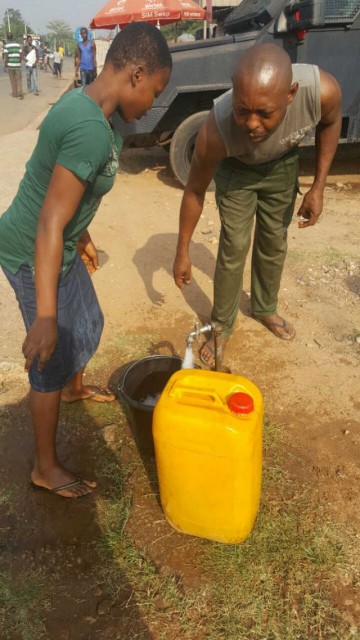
{"type": "Point", "coordinates": [266, 193]}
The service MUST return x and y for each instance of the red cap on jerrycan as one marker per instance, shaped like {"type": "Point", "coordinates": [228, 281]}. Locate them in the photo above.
{"type": "Point", "coordinates": [241, 403]}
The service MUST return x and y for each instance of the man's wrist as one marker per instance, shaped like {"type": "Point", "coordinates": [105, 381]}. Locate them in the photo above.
{"type": "Point", "coordinates": [318, 186]}
{"type": "Point", "coordinates": [183, 248]}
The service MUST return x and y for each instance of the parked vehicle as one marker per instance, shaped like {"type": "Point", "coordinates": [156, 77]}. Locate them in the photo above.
{"type": "Point", "coordinates": [322, 32]}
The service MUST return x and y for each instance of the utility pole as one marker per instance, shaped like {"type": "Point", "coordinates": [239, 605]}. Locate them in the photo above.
{"type": "Point", "coordinates": [8, 19]}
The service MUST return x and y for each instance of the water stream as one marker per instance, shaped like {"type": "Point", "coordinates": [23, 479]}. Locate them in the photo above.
{"type": "Point", "coordinates": [189, 359]}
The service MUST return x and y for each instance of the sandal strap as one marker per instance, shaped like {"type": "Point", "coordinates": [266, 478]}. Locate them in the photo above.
{"type": "Point", "coordinates": [280, 325]}
{"type": "Point", "coordinates": [66, 486]}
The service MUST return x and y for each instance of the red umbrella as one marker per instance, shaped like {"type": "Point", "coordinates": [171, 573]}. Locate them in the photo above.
{"type": "Point", "coordinates": [122, 12]}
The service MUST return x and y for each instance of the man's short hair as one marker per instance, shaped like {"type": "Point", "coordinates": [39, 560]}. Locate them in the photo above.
{"type": "Point", "coordinates": [9, 35]}
{"type": "Point", "coordinates": [140, 43]}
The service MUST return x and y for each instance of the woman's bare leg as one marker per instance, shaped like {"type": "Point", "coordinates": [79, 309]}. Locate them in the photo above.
{"type": "Point", "coordinates": [48, 471]}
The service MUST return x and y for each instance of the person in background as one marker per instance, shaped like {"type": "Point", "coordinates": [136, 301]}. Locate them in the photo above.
{"type": "Point", "coordinates": [57, 63]}
{"type": "Point", "coordinates": [51, 60]}
{"type": "Point", "coordinates": [47, 59]}
{"type": "Point", "coordinates": [12, 66]}
{"type": "Point", "coordinates": [30, 56]}
{"type": "Point", "coordinates": [85, 59]}
{"type": "Point", "coordinates": [40, 56]}
{"type": "Point", "coordinates": [73, 165]}
{"type": "Point", "coordinates": [249, 143]}
{"type": "Point", "coordinates": [62, 53]}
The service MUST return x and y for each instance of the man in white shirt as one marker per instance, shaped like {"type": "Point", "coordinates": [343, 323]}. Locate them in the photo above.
{"type": "Point", "coordinates": [31, 57]}
{"type": "Point", "coordinates": [57, 62]}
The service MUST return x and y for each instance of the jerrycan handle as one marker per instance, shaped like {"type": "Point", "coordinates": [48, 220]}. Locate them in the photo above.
{"type": "Point", "coordinates": [204, 396]}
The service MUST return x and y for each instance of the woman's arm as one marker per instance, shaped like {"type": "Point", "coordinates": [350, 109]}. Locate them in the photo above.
{"type": "Point", "coordinates": [62, 199]}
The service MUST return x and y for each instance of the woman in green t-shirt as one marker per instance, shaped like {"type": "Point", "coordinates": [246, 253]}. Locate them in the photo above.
{"type": "Point", "coordinates": [73, 165]}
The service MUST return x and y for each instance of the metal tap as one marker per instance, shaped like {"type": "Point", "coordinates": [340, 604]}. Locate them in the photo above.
{"type": "Point", "coordinates": [196, 334]}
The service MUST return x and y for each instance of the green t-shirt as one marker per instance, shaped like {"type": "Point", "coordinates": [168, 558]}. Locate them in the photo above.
{"type": "Point", "coordinates": [75, 135]}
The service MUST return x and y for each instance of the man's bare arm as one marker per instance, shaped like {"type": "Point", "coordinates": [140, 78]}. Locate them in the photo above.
{"type": "Point", "coordinates": [208, 153]}
{"type": "Point", "coordinates": [329, 127]}
{"type": "Point", "coordinates": [326, 141]}
{"type": "Point", "coordinates": [94, 55]}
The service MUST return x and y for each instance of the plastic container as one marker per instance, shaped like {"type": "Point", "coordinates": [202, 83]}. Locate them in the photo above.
{"type": "Point", "coordinates": [141, 380]}
{"type": "Point", "coordinates": [207, 430]}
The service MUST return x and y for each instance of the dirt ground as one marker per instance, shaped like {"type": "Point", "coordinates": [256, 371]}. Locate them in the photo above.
{"type": "Point", "coordinates": [310, 386]}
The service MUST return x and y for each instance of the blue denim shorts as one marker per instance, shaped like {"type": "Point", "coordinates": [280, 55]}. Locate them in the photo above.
{"type": "Point", "coordinates": [79, 318]}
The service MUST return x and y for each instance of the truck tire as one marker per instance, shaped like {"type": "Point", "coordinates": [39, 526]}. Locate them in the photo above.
{"type": "Point", "coordinates": [182, 145]}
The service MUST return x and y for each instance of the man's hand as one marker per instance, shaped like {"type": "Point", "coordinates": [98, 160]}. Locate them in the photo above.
{"type": "Point", "coordinates": [40, 342]}
{"type": "Point", "coordinates": [311, 208]}
{"type": "Point", "coordinates": [182, 270]}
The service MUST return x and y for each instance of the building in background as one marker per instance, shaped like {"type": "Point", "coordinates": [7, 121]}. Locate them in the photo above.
{"type": "Point", "coordinates": [217, 11]}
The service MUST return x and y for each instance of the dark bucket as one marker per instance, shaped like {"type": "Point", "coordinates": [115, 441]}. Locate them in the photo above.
{"type": "Point", "coordinates": [146, 377]}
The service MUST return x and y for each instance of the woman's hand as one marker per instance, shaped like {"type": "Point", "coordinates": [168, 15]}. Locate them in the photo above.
{"type": "Point", "coordinates": [88, 252]}
{"type": "Point", "coordinates": [40, 342]}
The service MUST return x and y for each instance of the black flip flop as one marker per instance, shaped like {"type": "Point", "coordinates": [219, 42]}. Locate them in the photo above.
{"type": "Point", "coordinates": [274, 325]}
{"type": "Point", "coordinates": [38, 487]}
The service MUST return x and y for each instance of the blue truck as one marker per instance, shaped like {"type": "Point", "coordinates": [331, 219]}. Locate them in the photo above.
{"type": "Point", "coordinates": [322, 32]}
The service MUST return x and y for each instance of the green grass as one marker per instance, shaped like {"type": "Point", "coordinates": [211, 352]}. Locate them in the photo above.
{"type": "Point", "coordinates": [10, 496]}
{"type": "Point", "coordinates": [296, 257]}
{"type": "Point", "coordinates": [120, 558]}
{"type": "Point", "coordinates": [278, 584]}
{"type": "Point", "coordinates": [330, 257]}
{"type": "Point", "coordinates": [7, 500]}
{"type": "Point", "coordinates": [24, 598]}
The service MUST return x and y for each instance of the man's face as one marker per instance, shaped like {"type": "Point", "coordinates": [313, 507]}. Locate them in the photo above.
{"type": "Point", "coordinates": [84, 34]}
{"type": "Point", "coordinates": [259, 110]}
{"type": "Point", "coordinates": [144, 90]}
{"type": "Point", "coordinates": [29, 40]}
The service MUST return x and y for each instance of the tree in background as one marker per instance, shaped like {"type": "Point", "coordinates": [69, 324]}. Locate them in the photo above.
{"type": "Point", "coordinates": [170, 31]}
{"type": "Point", "coordinates": [60, 34]}
{"type": "Point", "coordinates": [18, 27]}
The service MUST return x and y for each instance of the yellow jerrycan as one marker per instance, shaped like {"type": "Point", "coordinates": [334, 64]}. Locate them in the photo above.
{"type": "Point", "coordinates": [207, 429]}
